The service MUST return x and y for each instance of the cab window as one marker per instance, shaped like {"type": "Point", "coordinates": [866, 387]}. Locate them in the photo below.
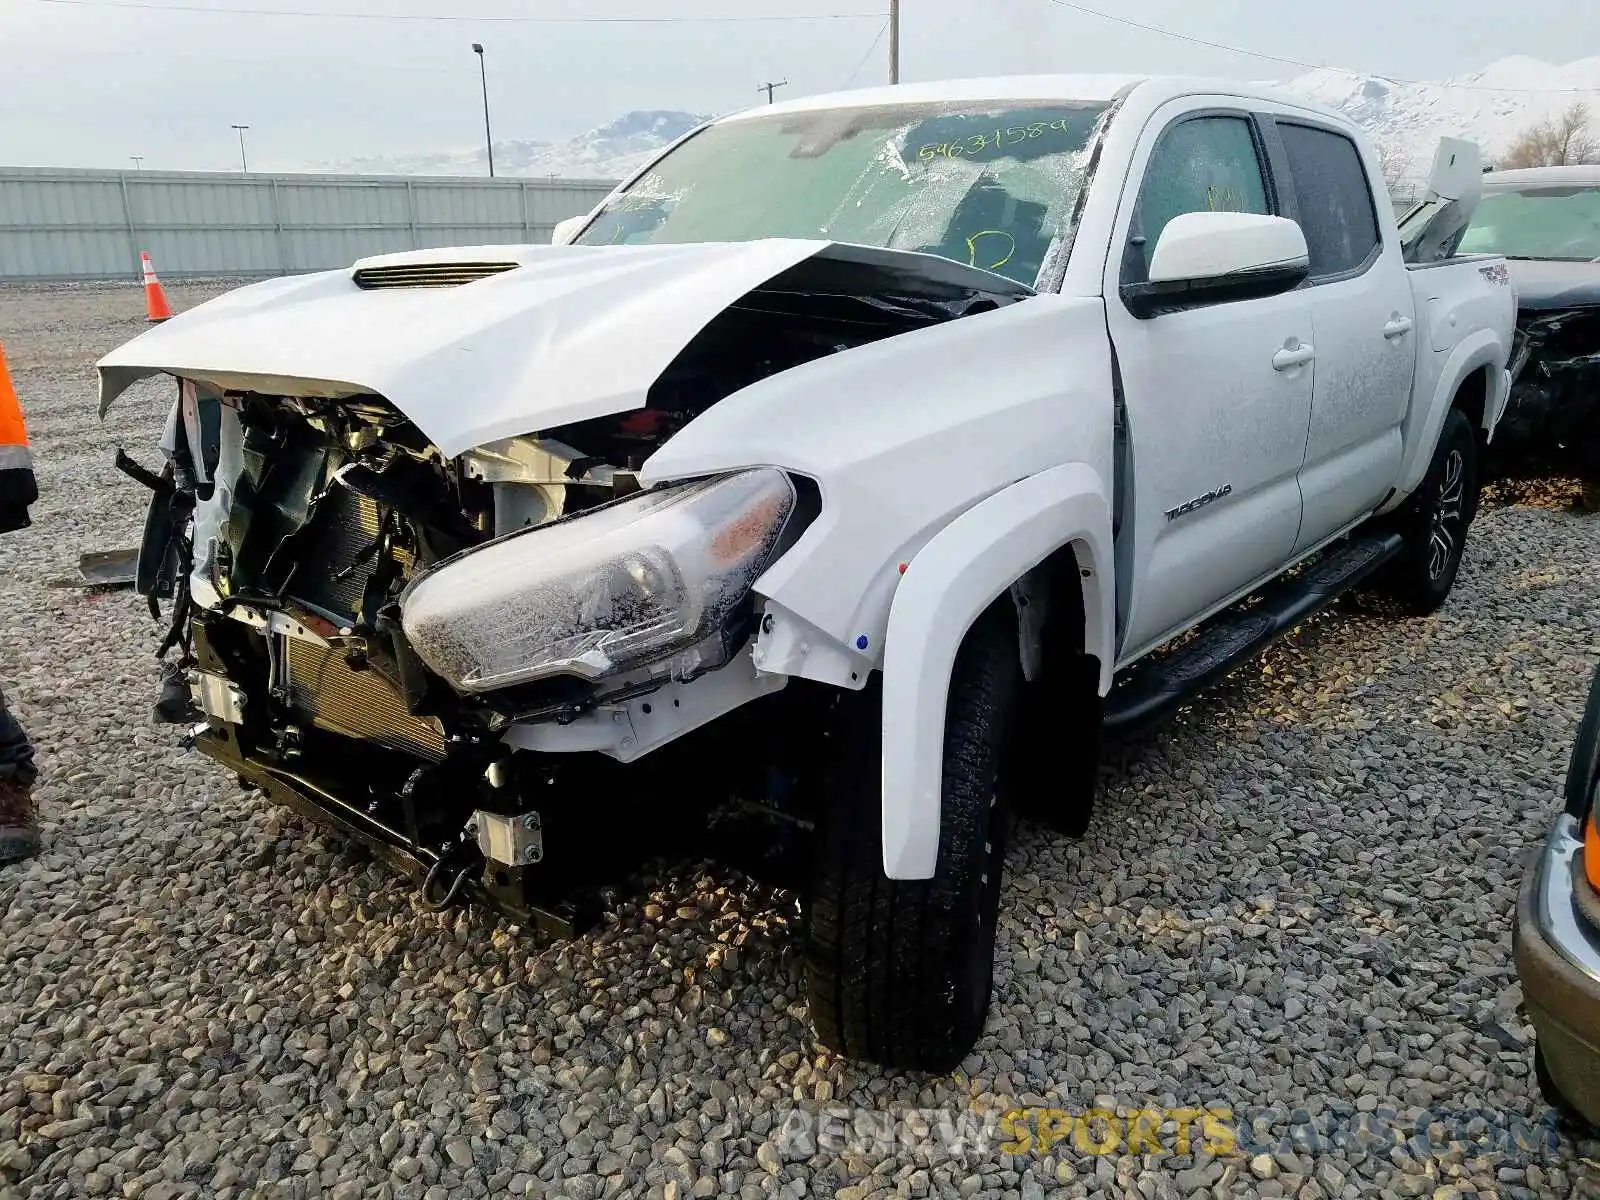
{"type": "Point", "coordinates": [1334, 199]}
{"type": "Point", "coordinates": [1203, 164]}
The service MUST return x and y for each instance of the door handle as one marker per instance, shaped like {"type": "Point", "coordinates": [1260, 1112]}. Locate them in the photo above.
{"type": "Point", "coordinates": [1291, 357]}
{"type": "Point", "coordinates": [1397, 327]}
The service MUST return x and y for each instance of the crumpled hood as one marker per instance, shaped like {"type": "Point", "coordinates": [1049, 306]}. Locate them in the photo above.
{"type": "Point", "coordinates": [572, 333]}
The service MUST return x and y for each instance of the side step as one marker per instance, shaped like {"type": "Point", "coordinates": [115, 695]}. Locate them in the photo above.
{"type": "Point", "coordinates": [1153, 689]}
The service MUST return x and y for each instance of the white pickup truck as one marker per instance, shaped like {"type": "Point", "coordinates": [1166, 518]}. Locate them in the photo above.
{"type": "Point", "coordinates": [888, 433]}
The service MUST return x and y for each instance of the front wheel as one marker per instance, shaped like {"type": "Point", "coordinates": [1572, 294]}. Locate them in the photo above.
{"type": "Point", "coordinates": [1435, 520]}
{"type": "Point", "coordinates": [899, 971]}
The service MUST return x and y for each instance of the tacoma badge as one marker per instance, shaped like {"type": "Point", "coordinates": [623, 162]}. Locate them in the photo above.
{"type": "Point", "coordinates": [1189, 506]}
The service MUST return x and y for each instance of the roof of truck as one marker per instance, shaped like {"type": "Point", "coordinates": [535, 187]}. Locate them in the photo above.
{"type": "Point", "coordinates": [1092, 89]}
{"type": "Point", "coordinates": [1585, 176]}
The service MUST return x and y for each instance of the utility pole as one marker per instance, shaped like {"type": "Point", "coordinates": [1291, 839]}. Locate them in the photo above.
{"type": "Point", "coordinates": [244, 167]}
{"type": "Point", "coordinates": [894, 41]}
{"type": "Point", "coordinates": [769, 88]}
{"type": "Point", "coordinates": [138, 161]}
{"type": "Point", "coordinates": [483, 77]}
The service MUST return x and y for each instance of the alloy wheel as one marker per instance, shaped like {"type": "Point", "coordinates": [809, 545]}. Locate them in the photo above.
{"type": "Point", "coordinates": [1444, 541]}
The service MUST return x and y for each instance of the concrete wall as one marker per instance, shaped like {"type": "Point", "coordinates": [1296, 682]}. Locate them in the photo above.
{"type": "Point", "coordinates": [66, 224]}
{"type": "Point", "coordinates": [69, 224]}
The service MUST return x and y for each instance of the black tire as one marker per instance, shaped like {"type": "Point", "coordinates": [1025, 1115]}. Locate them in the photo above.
{"type": "Point", "coordinates": [1435, 521]}
{"type": "Point", "coordinates": [899, 972]}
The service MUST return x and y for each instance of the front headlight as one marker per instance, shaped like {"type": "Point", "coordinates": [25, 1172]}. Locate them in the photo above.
{"type": "Point", "coordinates": [599, 593]}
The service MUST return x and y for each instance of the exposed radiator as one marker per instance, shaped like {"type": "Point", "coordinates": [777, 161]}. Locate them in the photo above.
{"type": "Point", "coordinates": [361, 704]}
{"type": "Point", "coordinates": [346, 526]}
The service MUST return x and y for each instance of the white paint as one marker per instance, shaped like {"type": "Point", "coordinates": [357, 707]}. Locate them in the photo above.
{"type": "Point", "coordinates": [566, 230]}
{"type": "Point", "coordinates": [576, 332]}
{"type": "Point", "coordinates": [903, 436]}
{"type": "Point", "coordinates": [1206, 408]}
{"type": "Point", "coordinates": [634, 728]}
{"type": "Point", "coordinates": [1090, 89]}
{"type": "Point", "coordinates": [955, 577]}
{"type": "Point", "coordinates": [1367, 348]}
{"type": "Point", "coordinates": [1214, 245]}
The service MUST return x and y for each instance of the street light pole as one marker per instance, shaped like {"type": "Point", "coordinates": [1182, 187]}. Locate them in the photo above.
{"type": "Point", "coordinates": [769, 88]}
{"type": "Point", "coordinates": [138, 161]}
{"type": "Point", "coordinates": [483, 77]}
{"type": "Point", "coordinates": [894, 41]}
{"type": "Point", "coordinates": [244, 165]}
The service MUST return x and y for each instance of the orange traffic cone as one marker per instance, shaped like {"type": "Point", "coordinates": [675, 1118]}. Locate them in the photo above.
{"type": "Point", "coordinates": [18, 489]}
{"type": "Point", "coordinates": [13, 432]}
{"type": "Point", "coordinates": [155, 300]}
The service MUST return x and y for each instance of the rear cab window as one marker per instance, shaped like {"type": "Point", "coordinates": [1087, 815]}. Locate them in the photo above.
{"type": "Point", "coordinates": [1333, 199]}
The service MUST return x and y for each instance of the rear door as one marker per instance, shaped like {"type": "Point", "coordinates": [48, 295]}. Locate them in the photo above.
{"type": "Point", "coordinates": [1364, 320]}
{"type": "Point", "coordinates": [1216, 397]}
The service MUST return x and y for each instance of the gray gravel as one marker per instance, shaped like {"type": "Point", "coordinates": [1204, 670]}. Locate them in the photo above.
{"type": "Point", "coordinates": [1296, 896]}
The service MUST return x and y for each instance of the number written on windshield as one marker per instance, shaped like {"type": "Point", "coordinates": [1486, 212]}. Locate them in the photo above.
{"type": "Point", "coordinates": [1012, 135]}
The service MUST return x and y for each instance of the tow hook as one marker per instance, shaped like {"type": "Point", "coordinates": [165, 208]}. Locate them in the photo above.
{"type": "Point", "coordinates": [456, 864]}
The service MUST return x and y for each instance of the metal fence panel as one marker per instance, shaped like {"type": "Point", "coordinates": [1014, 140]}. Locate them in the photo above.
{"type": "Point", "coordinates": [71, 224]}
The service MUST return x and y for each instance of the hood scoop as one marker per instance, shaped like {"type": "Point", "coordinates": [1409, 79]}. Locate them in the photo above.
{"type": "Point", "coordinates": [427, 274]}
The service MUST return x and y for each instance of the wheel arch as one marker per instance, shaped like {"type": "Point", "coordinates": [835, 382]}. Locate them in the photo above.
{"type": "Point", "coordinates": [1012, 541]}
{"type": "Point", "coordinates": [1474, 379]}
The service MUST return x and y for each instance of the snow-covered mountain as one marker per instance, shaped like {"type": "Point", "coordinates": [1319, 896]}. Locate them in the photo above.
{"type": "Point", "coordinates": [1407, 118]}
{"type": "Point", "coordinates": [1491, 106]}
{"type": "Point", "coordinates": [608, 152]}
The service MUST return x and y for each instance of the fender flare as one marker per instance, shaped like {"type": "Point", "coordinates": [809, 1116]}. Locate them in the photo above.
{"type": "Point", "coordinates": [961, 571]}
{"type": "Point", "coordinates": [1476, 353]}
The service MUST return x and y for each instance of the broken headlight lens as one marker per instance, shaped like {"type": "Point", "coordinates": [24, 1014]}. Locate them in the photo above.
{"type": "Point", "coordinates": [602, 592]}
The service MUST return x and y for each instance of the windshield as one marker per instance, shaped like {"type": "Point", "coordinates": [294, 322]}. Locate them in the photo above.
{"type": "Point", "coordinates": [1552, 221]}
{"type": "Point", "coordinates": [987, 184]}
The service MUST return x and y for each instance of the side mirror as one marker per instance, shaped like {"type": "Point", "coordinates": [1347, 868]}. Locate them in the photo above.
{"type": "Point", "coordinates": [566, 230]}
{"type": "Point", "coordinates": [1218, 257]}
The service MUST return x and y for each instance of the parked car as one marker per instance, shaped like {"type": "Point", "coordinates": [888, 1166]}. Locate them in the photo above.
{"type": "Point", "coordinates": [1546, 221]}
{"type": "Point", "coordinates": [891, 432]}
{"type": "Point", "coordinates": [1557, 938]}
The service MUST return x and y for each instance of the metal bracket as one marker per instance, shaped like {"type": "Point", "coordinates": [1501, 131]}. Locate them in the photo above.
{"type": "Point", "coordinates": [220, 698]}
{"type": "Point", "coordinates": [512, 841]}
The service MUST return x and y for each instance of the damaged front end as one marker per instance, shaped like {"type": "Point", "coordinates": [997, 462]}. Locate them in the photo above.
{"type": "Point", "coordinates": [408, 644]}
{"type": "Point", "coordinates": [1552, 422]}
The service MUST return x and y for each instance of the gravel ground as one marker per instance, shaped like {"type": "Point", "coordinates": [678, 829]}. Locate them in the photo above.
{"type": "Point", "coordinates": [1298, 895]}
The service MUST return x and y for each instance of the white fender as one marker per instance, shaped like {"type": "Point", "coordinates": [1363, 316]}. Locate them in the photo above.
{"type": "Point", "coordinates": [1483, 350]}
{"type": "Point", "coordinates": [949, 582]}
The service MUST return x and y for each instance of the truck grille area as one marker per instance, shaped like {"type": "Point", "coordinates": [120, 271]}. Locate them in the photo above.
{"type": "Point", "coordinates": [359, 704]}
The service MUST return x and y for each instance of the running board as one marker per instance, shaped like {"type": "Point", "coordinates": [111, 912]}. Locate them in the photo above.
{"type": "Point", "coordinates": [1154, 689]}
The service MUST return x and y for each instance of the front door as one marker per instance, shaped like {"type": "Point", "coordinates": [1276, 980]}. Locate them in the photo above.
{"type": "Point", "coordinates": [1217, 398]}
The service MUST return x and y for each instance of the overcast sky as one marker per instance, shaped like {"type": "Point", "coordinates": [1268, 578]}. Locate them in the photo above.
{"type": "Point", "coordinates": [85, 85]}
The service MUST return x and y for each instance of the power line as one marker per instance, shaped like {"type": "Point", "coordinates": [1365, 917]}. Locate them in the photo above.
{"type": "Point", "coordinates": [870, 51]}
{"type": "Point", "coordinates": [1163, 31]}
{"type": "Point", "coordinates": [141, 5]}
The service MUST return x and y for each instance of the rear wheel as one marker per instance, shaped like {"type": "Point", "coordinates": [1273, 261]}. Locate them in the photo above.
{"type": "Point", "coordinates": [1435, 520]}
{"type": "Point", "coordinates": [899, 972]}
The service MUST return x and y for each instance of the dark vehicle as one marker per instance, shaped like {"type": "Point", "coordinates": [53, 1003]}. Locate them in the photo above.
{"type": "Point", "coordinates": [1557, 936]}
{"type": "Point", "coordinates": [1546, 222]}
